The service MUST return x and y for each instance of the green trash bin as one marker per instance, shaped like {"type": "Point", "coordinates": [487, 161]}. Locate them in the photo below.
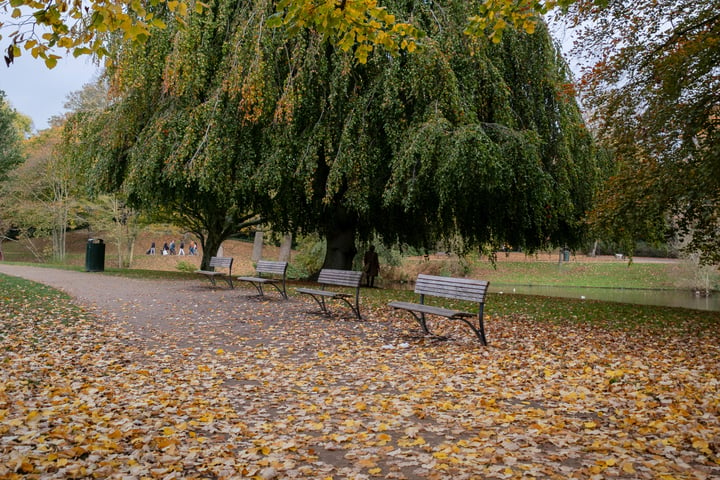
{"type": "Point", "coordinates": [95, 255]}
{"type": "Point", "coordinates": [566, 255]}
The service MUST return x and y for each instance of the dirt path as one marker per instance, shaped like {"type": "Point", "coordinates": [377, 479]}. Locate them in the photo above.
{"type": "Point", "coordinates": [185, 314]}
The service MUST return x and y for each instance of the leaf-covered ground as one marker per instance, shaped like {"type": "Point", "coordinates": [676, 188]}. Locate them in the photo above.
{"type": "Point", "coordinates": [214, 384]}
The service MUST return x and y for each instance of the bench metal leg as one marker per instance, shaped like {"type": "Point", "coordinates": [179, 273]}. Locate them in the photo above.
{"type": "Point", "coordinates": [261, 293]}
{"type": "Point", "coordinates": [421, 320]}
{"type": "Point", "coordinates": [281, 290]}
{"type": "Point", "coordinates": [355, 309]}
{"type": "Point", "coordinates": [479, 330]}
{"type": "Point", "coordinates": [258, 287]}
{"type": "Point", "coordinates": [321, 302]}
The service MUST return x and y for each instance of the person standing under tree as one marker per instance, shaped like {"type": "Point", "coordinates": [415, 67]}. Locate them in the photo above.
{"type": "Point", "coordinates": [371, 266]}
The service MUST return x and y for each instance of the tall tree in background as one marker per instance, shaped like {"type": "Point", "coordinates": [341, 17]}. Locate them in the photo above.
{"type": "Point", "coordinates": [228, 119]}
{"type": "Point", "coordinates": [106, 213]}
{"type": "Point", "coordinates": [654, 90]}
{"type": "Point", "coordinates": [39, 197]}
{"type": "Point", "coordinates": [13, 127]}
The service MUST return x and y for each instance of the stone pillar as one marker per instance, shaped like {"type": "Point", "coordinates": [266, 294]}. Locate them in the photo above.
{"type": "Point", "coordinates": [285, 248]}
{"type": "Point", "coordinates": [257, 246]}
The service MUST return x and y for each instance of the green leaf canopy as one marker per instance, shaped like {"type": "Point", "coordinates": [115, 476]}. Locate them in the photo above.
{"type": "Point", "coordinates": [460, 138]}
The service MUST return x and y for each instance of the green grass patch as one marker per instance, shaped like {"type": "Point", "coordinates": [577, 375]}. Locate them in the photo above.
{"type": "Point", "coordinates": [16, 291]}
{"type": "Point", "coordinates": [122, 272]}
{"type": "Point", "coordinates": [26, 305]}
{"type": "Point", "coordinates": [606, 315]}
{"type": "Point", "coordinates": [575, 274]}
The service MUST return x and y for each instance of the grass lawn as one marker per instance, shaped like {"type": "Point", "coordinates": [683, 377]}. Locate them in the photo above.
{"type": "Point", "coordinates": [576, 274]}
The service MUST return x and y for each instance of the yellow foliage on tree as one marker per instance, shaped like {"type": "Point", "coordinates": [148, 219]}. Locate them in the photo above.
{"type": "Point", "coordinates": [81, 27]}
{"type": "Point", "coordinates": [78, 27]}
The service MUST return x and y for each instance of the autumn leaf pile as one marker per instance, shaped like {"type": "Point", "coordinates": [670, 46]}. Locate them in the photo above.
{"type": "Point", "coordinates": [279, 392]}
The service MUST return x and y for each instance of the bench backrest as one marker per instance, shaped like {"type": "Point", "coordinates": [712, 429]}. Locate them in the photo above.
{"type": "Point", "coordinates": [268, 266]}
{"type": "Point", "coordinates": [223, 262]}
{"type": "Point", "coordinates": [448, 287]}
{"type": "Point", "coordinates": [344, 278]}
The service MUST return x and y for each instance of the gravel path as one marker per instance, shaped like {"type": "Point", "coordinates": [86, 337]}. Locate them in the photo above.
{"type": "Point", "coordinates": [188, 314]}
{"type": "Point", "coordinates": [191, 311]}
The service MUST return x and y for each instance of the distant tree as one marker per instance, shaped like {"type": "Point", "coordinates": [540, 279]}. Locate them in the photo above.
{"type": "Point", "coordinates": [13, 127]}
{"type": "Point", "coordinates": [92, 97]}
{"type": "Point", "coordinates": [37, 197]}
{"type": "Point", "coordinates": [653, 88]}
{"type": "Point", "coordinates": [45, 194]}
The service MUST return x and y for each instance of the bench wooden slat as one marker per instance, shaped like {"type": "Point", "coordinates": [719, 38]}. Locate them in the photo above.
{"type": "Point", "coordinates": [455, 288]}
{"type": "Point", "coordinates": [336, 278]}
{"type": "Point", "coordinates": [431, 309]}
{"type": "Point", "coordinates": [219, 262]}
{"type": "Point", "coordinates": [323, 293]}
{"type": "Point", "coordinates": [466, 289]}
{"type": "Point", "coordinates": [270, 268]}
{"type": "Point", "coordinates": [345, 278]}
{"type": "Point", "coordinates": [223, 262]}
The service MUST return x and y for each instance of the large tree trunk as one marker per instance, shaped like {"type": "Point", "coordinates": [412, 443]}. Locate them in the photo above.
{"type": "Point", "coordinates": [210, 246]}
{"type": "Point", "coordinates": [340, 248]}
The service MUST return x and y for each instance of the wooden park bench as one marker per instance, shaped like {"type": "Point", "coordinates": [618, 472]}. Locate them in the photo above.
{"type": "Point", "coordinates": [448, 287]}
{"type": "Point", "coordinates": [329, 279]}
{"type": "Point", "coordinates": [219, 262]}
{"type": "Point", "coordinates": [274, 275]}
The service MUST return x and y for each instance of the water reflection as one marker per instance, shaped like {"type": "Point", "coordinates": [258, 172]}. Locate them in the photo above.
{"type": "Point", "coordinates": [668, 298]}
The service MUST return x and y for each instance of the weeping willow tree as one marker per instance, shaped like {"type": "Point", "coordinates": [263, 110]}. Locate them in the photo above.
{"type": "Point", "coordinates": [172, 141]}
{"type": "Point", "coordinates": [462, 138]}
{"type": "Point", "coordinates": [230, 121]}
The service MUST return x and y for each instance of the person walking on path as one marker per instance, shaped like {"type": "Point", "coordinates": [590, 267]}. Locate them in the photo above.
{"type": "Point", "coordinates": [371, 266]}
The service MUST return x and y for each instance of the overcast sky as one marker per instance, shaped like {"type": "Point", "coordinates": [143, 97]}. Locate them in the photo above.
{"type": "Point", "coordinates": [40, 93]}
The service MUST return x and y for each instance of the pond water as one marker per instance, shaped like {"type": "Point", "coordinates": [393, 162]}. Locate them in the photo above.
{"type": "Point", "coordinates": [668, 298]}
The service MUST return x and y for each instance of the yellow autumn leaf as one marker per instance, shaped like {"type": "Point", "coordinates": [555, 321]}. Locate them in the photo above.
{"type": "Point", "coordinates": [702, 445]}
{"type": "Point", "coordinates": [628, 467]}
{"type": "Point", "coordinates": [366, 463]}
